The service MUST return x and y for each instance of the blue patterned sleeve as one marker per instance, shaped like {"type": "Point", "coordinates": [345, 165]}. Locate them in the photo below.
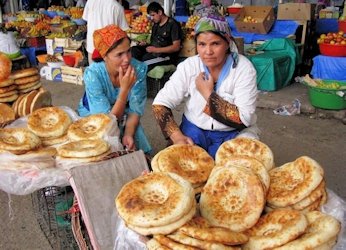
{"type": "Point", "coordinates": [96, 92]}
{"type": "Point", "coordinates": [138, 95]}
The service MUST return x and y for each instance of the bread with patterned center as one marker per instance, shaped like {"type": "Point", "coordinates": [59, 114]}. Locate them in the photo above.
{"type": "Point", "coordinates": [49, 122]}
{"type": "Point", "coordinates": [155, 199]}
{"type": "Point", "coordinates": [83, 148]}
{"type": "Point", "coordinates": [90, 127]}
{"type": "Point", "coordinates": [275, 229]}
{"type": "Point", "coordinates": [232, 198]}
{"type": "Point", "coordinates": [18, 140]}
{"type": "Point", "coordinates": [293, 181]}
{"type": "Point", "coordinates": [245, 146]}
{"type": "Point", "coordinates": [189, 161]}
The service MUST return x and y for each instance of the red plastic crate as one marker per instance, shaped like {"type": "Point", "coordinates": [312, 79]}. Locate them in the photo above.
{"type": "Point", "coordinates": [342, 26]}
{"type": "Point", "coordinates": [332, 49]}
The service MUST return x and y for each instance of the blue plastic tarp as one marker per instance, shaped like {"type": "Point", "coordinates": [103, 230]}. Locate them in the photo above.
{"type": "Point", "coordinates": [329, 68]}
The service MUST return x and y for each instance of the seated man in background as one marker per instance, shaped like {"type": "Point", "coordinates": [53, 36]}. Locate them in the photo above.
{"type": "Point", "coordinates": [165, 41]}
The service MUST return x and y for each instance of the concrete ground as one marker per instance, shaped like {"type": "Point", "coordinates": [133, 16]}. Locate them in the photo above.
{"type": "Point", "coordinates": [319, 134]}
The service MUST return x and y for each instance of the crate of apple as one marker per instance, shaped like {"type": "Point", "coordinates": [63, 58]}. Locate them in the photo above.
{"type": "Point", "coordinates": [332, 44]}
{"type": "Point", "coordinates": [141, 24]}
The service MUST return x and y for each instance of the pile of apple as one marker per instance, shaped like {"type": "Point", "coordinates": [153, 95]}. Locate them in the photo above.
{"type": "Point", "coordinates": [249, 19]}
{"type": "Point", "coordinates": [141, 24]}
{"type": "Point", "coordinates": [192, 21]}
{"type": "Point", "coordinates": [332, 38]}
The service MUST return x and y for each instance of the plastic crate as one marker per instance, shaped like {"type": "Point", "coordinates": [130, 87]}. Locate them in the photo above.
{"type": "Point", "coordinates": [154, 85]}
{"type": "Point", "coordinates": [51, 206]}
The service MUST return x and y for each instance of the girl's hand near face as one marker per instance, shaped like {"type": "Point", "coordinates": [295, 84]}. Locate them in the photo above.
{"type": "Point", "coordinates": [204, 85]}
{"type": "Point", "coordinates": [128, 78]}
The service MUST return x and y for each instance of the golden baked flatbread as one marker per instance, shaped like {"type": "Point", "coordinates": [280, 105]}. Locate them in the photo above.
{"type": "Point", "coordinates": [23, 73]}
{"type": "Point", "coordinates": [8, 88]}
{"type": "Point", "coordinates": [6, 113]}
{"type": "Point", "coordinates": [49, 122]}
{"type": "Point", "coordinates": [42, 100]}
{"type": "Point", "coordinates": [48, 141]}
{"type": "Point", "coordinates": [153, 244]}
{"type": "Point", "coordinates": [27, 102]}
{"type": "Point", "coordinates": [21, 139]}
{"type": "Point", "coordinates": [168, 228]}
{"type": "Point", "coordinates": [163, 240]}
{"type": "Point", "coordinates": [6, 82]}
{"type": "Point", "coordinates": [204, 231]}
{"type": "Point", "coordinates": [83, 148]}
{"type": "Point", "coordinates": [200, 244]}
{"type": "Point", "coordinates": [232, 198]}
{"type": "Point", "coordinates": [293, 181]}
{"type": "Point", "coordinates": [36, 86]}
{"type": "Point", "coordinates": [9, 93]}
{"type": "Point", "coordinates": [251, 164]}
{"type": "Point", "coordinates": [275, 229]}
{"type": "Point", "coordinates": [155, 199]}
{"type": "Point", "coordinates": [245, 146]}
{"type": "Point", "coordinates": [312, 197]}
{"type": "Point", "coordinates": [321, 229]}
{"type": "Point", "coordinates": [97, 158]}
{"type": "Point", "coordinates": [90, 127]}
{"type": "Point", "coordinates": [27, 85]}
{"type": "Point", "coordinates": [189, 161]}
{"type": "Point", "coordinates": [15, 104]}
{"type": "Point", "coordinates": [9, 98]}
{"type": "Point", "coordinates": [42, 151]}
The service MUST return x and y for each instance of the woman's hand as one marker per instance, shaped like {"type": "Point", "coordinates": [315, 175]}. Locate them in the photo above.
{"type": "Point", "coordinates": [129, 142]}
{"type": "Point", "coordinates": [178, 137]}
{"type": "Point", "coordinates": [204, 85]}
{"type": "Point", "coordinates": [128, 78]}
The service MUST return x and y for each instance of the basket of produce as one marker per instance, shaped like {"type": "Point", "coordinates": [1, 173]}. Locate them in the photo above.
{"type": "Point", "coordinates": [326, 94]}
{"type": "Point", "coordinates": [332, 44]}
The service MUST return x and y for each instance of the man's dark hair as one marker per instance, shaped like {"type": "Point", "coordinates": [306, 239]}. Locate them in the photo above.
{"type": "Point", "coordinates": [155, 7]}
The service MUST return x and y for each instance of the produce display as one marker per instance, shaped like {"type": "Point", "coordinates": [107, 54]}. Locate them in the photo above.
{"type": "Point", "coordinates": [332, 38]}
{"type": "Point", "coordinates": [249, 19]}
{"type": "Point", "coordinates": [237, 208]}
{"type": "Point", "coordinates": [141, 24]}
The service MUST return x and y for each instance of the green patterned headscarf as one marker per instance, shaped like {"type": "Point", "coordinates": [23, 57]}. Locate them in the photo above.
{"type": "Point", "coordinates": [220, 26]}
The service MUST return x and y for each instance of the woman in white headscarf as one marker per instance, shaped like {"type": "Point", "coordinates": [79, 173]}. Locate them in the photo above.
{"type": "Point", "coordinates": [219, 89]}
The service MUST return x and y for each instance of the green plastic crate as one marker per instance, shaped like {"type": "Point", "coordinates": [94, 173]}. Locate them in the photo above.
{"type": "Point", "coordinates": [328, 98]}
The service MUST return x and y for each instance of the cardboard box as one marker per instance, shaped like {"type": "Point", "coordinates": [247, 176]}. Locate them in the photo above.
{"type": "Point", "coordinates": [51, 74]}
{"type": "Point", "coordinates": [264, 16]}
{"type": "Point", "coordinates": [72, 75]}
{"type": "Point", "coordinates": [295, 11]}
{"type": "Point", "coordinates": [61, 42]}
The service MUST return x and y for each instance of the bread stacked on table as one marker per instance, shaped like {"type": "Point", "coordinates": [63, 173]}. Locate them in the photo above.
{"type": "Point", "coordinates": [245, 198]}
{"type": "Point", "coordinates": [7, 114]}
{"type": "Point", "coordinates": [8, 91]}
{"type": "Point", "coordinates": [189, 161]}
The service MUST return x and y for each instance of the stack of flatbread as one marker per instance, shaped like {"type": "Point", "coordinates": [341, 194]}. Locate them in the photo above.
{"type": "Point", "coordinates": [50, 124]}
{"type": "Point", "coordinates": [29, 102]}
{"type": "Point", "coordinates": [156, 203]}
{"type": "Point", "coordinates": [8, 91]}
{"type": "Point", "coordinates": [292, 229]}
{"type": "Point", "coordinates": [91, 127]}
{"type": "Point", "coordinates": [198, 234]}
{"type": "Point", "coordinates": [191, 162]}
{"type": "Point", "coordinates": [298, 185]}
{"type": "Point", "coordinates": [89, 150]}
{"type": "Point", "coordinates": [26, 79]}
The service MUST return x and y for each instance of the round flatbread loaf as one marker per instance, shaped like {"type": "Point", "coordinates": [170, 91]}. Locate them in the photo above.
{"type": "Point", "coordinates": [311, 198]}
{"type": "Point", "coordinates": [83, 148]}
{"type": "Point", "coordinates": [200, 244]}
{"type": "Point", "coordinates": [48, 141]}
{"type": "Point", "coordinates": [9, 98]}
{"type": "Point", "coordinates": [7, 113]}
{"type": "Point", "coordinates": [8, 88]}
{"type": "Point", "coordinates": [28, 79]}
{"type": "Point", "coordinates": [245, 146]}
{"type": "Point", "coordinates": [6, 82]}
{"type": "Point", "coordinates": [328, 245]}
{"type": "Point", "coordinates": [49, 122]}
{"type": "Point", "coordinates": [36, 86]}
{"type": "Point", "coordinates": [15, 104]}
{"type": "Point", "coordinates": [27, 85]}
{"type": "Point", "coordinates": [101, 157]}
{"type": "Point", "coordinates": [321, 229]}
{"type": "Point", "coordinates": [23, 73]}
{"type": "Point", "coordinates": [275, 229]}
{"type": "Point", "coordinates": [9, 93]}
{"type": "Point", "coordinates": [90, 127]}
{"type": "Point", "coordinates": [252, 164]}
{"type": "Point", "coordinates": [191, 162]}
{"type": "Point", "coordinates": [163, 240]}
{"type": "Point", "coordinates": [27, 102]}
{"type": "Point", "coordinates": [153, 244]}
{"type": "Point", "coordinates": [293, 181]}
{"type": "Point", "coordinates": [232, 198]}
{"type": "Point", "coordinates": [199, 228]}
{"type": "Point", "coordinates": [41, 152]}
{"type": "Point", "coordinates": [154, 200]}
{"type": "Point", "coordinates": [21, 139]}
{"type": "Point", "coordinates": [168, 228]}
{"type": "Point", "coordinates": [42, 100]}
